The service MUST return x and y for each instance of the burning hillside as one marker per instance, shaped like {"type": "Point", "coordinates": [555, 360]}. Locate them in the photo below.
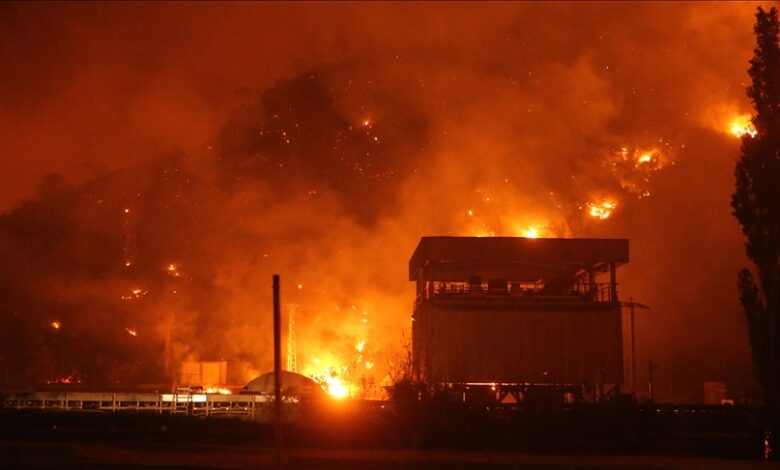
{"type": "Point", "coordinates": [329, 171]}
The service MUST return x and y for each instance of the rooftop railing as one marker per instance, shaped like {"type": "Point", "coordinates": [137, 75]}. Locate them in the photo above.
{"type": "Point", "coordinates": [598, 292]}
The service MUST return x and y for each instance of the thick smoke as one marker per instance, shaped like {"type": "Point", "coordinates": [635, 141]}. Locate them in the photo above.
{"type": "Point", "coordinates": [233, 142]}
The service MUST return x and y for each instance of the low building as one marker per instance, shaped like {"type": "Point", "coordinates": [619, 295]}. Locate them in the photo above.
{"type": "Point", "coordinates": [510, 310]}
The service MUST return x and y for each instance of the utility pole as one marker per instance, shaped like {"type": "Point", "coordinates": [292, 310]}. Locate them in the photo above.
{"type": "Point", "coordinates": [277, 374]}
{"type": "Point", "coordinates": [631, 305]}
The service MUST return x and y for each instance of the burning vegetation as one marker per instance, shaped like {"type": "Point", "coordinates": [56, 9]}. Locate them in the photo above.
{"type": "Point", "coordinates": [330, 174]}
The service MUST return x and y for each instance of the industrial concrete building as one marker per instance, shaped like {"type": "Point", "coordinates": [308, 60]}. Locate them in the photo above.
{"type": "Point", "coordinates": [522, 311]}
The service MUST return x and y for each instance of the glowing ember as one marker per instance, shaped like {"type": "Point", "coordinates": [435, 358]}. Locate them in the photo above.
{"type": "Point", "coordinates": [73, 378]}
{"type": "Point", "coordinates": [359, 347]}
{"type": "Point", "coordinates": [173, 270]}
{"type": "Point", "coordinates": [470, 212]}
{"type": "Point", "coordinates": [300, 286]}
{"type": "Point", "coordinates": [602, 210]}
{"type": "Point", "coordinates": [135, 293]}
{"type": "Point", "coordinates": [131, 331]}
{"type": "Point", "coordinates": [366, 122]}
{"type": "Point", "coordinates": [741, 126]}
{"type": "Point", "coordinates": [56, 325]}
{"type": "Point", "coordinates": [369, 365]}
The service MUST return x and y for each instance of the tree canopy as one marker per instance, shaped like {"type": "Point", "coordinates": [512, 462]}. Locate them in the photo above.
{"type": "Point", "coordinates": [756, 204]}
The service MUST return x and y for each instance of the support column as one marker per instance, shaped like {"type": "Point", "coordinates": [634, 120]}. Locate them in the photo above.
{"type": "Point", "coordinates": [277, 374]}
{"type": "Point", "coordinates": [612, 283]}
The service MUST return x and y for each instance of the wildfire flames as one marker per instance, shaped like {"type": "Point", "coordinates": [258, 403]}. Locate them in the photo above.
{"type": "Point", "coordinates": [328, 172]}
{"type": "Point", "coordinates": [530, 232]}
{"type": "Point", "coordinates": [173, 270]}
{"type": "Point", "coordinates": [644, 158]}
{"type": "Point", "coordinates": [350, 366]}
{"type": "Point", "coordinates": [344, 374]}
{"type": "Point", "coordinates": [329, 375]}
{"type": "Point", "coordinates": [135, 293]}
{"type": "Point", "coordinates": [72, 378]}
{"type": "Point", "coordinates": [336, 387]}
{"type": "Point", "coordinates": [741, 126]}
{"type": "Point", "coordinates": [601, 210]}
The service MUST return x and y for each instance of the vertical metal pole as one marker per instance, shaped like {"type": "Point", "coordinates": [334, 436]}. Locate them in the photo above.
{"type": "Point", "coordinates": [612, 283]}
{"type": "Point", "coordinates": [592, 283]}
{"type": "Point", "coordinates": [277, 374]}
{"type": "Point", "coordinates": [650, 381]}
{"type": "Point", "coordinates": [633, 350]}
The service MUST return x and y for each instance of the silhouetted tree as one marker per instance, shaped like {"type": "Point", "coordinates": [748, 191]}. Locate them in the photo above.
{"type": "Point", "coordinates": [756, 204]}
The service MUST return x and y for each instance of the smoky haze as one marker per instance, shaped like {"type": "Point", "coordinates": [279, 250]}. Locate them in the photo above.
{"type": "Point", "coordinates": [194, 150]}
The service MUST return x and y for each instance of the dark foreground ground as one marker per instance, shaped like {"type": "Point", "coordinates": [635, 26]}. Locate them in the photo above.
{"type": "Point", "coordinates": [136, 455]}
{"type": "Point", "coordinates": [438, 436]}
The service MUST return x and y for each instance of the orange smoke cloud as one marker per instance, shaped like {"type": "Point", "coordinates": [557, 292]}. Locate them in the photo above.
{"type": "Point", "coordinates": [327, 160]}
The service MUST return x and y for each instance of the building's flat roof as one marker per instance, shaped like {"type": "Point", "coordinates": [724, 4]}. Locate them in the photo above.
{"type": "Point", "coordinates": [563, 251]}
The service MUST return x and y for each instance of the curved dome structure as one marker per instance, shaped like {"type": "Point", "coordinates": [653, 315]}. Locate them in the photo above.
{"type": "Point", "coordinates": [292, 385]}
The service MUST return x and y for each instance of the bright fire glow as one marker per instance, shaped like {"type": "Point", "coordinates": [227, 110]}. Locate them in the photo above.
{"type": "Point", "coordinates": [334, 377]}
{"type": "Point", "coordinates": [56, 325]}
{"type": "Point", "coordinates": [645, 158]}
{"type": "Point", "coordinates": [530, 232]}
{"type": "Point", "coordinates": [336, 387]}
{"type": "Point", "coordinates": [345, 370]}
{"type": "Point", "coordinates": [741, 126]}
{"type": "Point", "coordinates": [221, 391]}
{"type": "Point", "coordinates": [602, 210]}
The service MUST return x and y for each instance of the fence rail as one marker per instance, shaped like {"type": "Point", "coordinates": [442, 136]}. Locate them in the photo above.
{"type": "Point", "coordinates": [197, 404]}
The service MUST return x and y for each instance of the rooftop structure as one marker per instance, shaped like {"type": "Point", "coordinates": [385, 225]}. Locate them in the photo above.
{"type": "Point", "coordinates": [517, 310]}
{"type": "Point", "coordinates": [293, 385]}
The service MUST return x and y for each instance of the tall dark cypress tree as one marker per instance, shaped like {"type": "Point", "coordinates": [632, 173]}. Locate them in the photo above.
{"type": "Point", "coordinates": [756, 204]}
